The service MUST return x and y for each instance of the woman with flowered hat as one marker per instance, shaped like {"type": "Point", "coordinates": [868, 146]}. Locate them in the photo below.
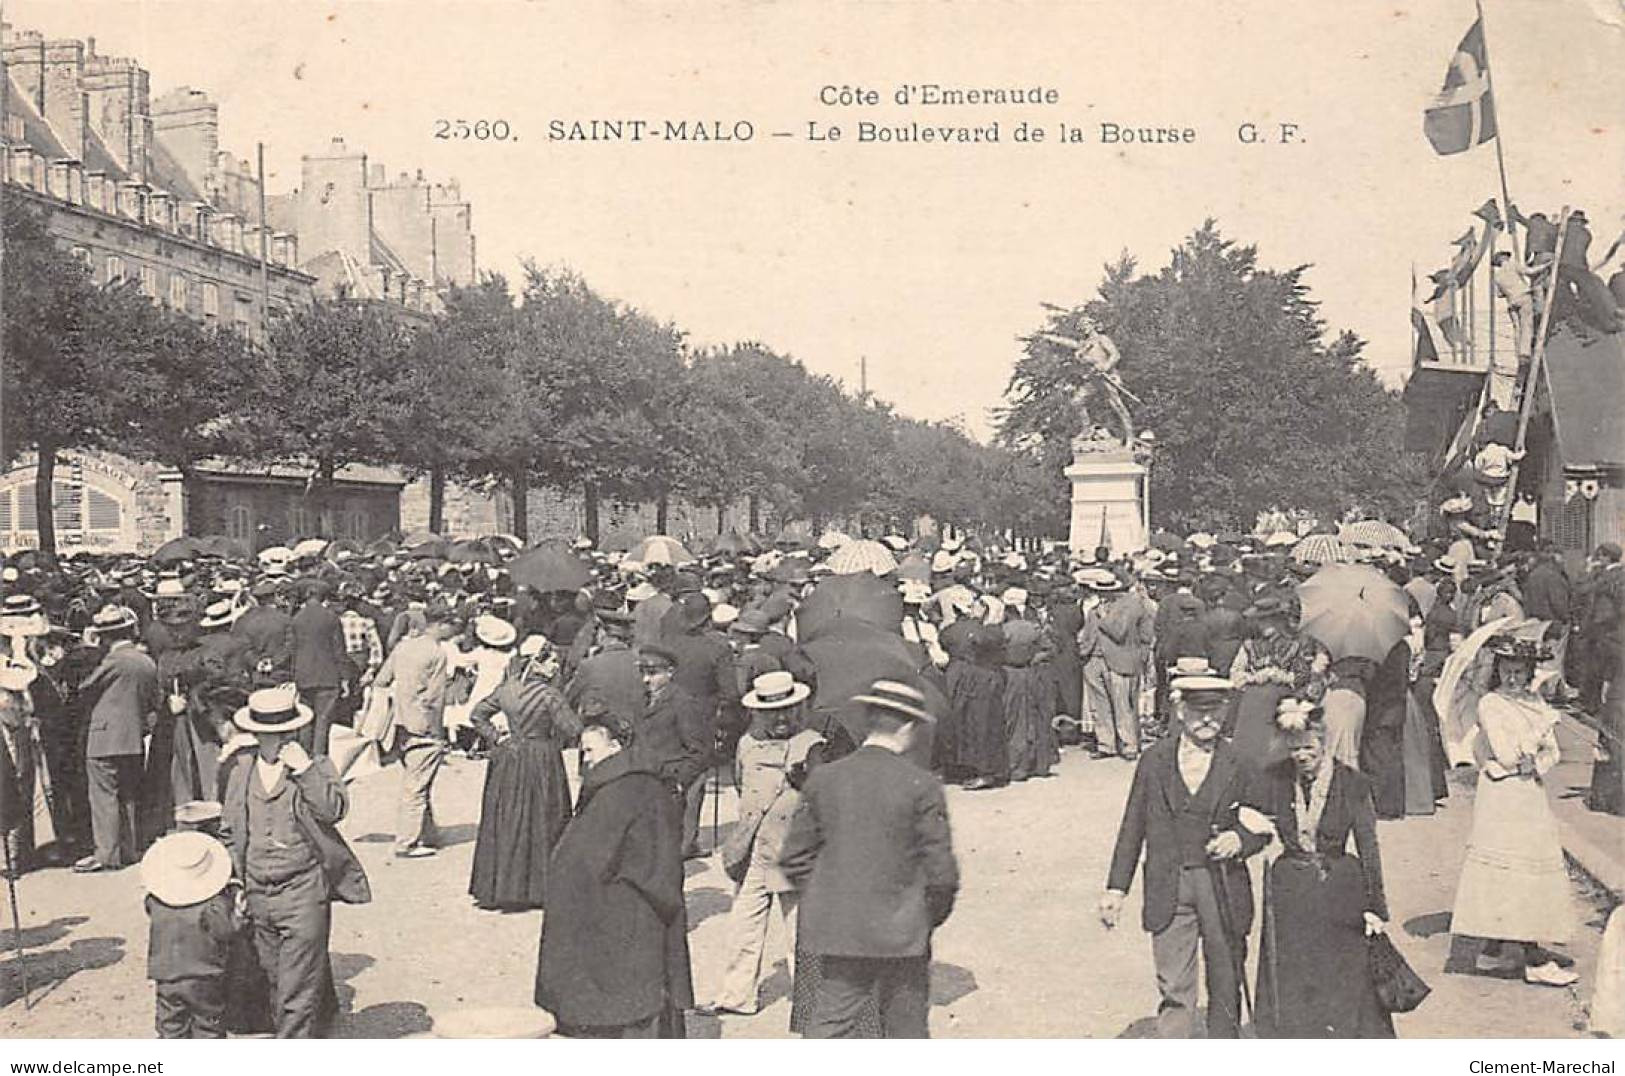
{"type": "Point", "coordinates": [1321, 901]}
{"type": "Point", "coordinates": [1514, 889]}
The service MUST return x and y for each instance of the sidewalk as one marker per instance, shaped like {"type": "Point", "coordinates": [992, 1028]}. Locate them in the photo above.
{"type": "Point", "coordinates": [1595, 841]}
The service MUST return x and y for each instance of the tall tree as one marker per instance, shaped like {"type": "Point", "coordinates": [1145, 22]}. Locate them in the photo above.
{"type": "Point", "coordinates": [1251, 407]}
{"type": "Point", "coordinates": [333, 385]}
{"type": "Point", "coordinates": [105, 367]}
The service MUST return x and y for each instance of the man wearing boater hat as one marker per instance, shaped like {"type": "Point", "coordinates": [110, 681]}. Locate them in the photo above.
{"type": "Point", "coordinates": [126, 694]}
{"type": "Point", "coordinates": [873, 854]}
{"type": "Point", "coordinates": [279, 817]}
{"type": "Point", "coordinates": [1182, 813]}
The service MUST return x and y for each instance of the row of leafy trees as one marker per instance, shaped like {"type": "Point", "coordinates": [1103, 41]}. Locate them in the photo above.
{"type": "Point", "coordinates": [554, 386]}
{"type": "Point", "coordinates": [1252, 408]}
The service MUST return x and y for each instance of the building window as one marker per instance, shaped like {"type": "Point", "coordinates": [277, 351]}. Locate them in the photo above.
{"type": "Point", "coordinates": [299, 522]}
{"type": "Point", "coordinates": [244, 314]}
{"type": "Point", "coordinates": [82, 256]}
{"type": "Point", "coordinates": [115, 269]}
{"type": "Point", "coordinates": [178, 290]}
{"type": "Point", "coordinates": [240, 523]}
{"type": "Point", "coordinates": [1570, 524]}
{"type": "Point", "coordinates": [211, 301]}
{"type": "Point", "coordinates": [149, 282]}
{"type": "Point", "coordinates": [101, 511]}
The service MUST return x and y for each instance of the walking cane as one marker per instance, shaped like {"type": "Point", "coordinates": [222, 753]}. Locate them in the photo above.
{"type": "Point", "coordinates": [716, 801]}
{"type": "Point", "coordinates": [1237, 954]}
{"type": "Point", "coordinates": [16, 921]}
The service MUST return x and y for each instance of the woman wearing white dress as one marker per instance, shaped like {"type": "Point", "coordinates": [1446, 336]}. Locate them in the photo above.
{"type": "Point", "coordinates": [1514, 889]}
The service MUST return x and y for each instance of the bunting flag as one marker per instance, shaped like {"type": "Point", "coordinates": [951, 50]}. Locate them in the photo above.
{"type": "Point", "coordinates": [1463, 115]}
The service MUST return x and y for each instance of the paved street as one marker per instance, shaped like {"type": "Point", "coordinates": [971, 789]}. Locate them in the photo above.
{"type": "Point", "coordinates": [1022, 955]}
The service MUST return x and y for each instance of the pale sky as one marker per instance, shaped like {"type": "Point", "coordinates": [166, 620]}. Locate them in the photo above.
{"type": "Point", "coordinates": [927, 259]}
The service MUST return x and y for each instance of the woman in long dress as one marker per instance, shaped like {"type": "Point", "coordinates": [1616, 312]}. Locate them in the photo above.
{"type": "Point", "coordinates": [527, 796]}
{"type": "Point", "coordinates": [1273, 664]}
{"type": "Point", "coordinates": [1513, 888]}
{"type": "Point", "coordinates": [1320, 901]}
{"type": "Point", "coordinates": [1029, 702]}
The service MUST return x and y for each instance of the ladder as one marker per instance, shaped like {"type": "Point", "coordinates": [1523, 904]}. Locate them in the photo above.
{"type": "Point", "coordinates": [1531, 380]}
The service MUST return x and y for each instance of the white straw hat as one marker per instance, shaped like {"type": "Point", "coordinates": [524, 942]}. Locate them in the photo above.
{"type": "Point", "coordinates": [185, 868]}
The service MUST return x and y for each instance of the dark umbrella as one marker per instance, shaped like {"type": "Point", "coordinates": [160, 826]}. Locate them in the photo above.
{"type": "Point", "coordinates": [218, 545]}
{"type": "Point", "coordinates": [176, 550]}
{"type": "Point", "coordinates": [1169, 543]}
{"type": "Point", "coordinates": [471, 551]}
{"type": "Point", "coordinates": [860, 597]}
{"type": "Point", "coordinates": [850, 656]}
{"type": "Point", "coordinates": [549, 567]}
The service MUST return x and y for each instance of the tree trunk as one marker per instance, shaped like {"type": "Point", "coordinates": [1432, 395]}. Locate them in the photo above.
{"type": "Point", "coordinates": [45, 499]}
{"type": "Point", "coordinates": [589, 496]}
{"type": "Point", "coordinates": [721, 518]}
{"type": "Point", "coordinates": [519, 478]}
{"type": "Point", "coordinates": [437, 499]}
{"type": "Point", "coordinates": [662, 510]}
{"type": "Point", "coordinates": [755, 513]}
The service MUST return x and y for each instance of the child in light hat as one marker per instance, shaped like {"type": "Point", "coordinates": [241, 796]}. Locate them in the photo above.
{"type": "Point", "coordinates": [192, 907]}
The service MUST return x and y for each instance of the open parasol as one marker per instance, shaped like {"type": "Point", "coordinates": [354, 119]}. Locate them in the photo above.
{"type": "Point", "coordinates": [1321, 549]}
{"type": "Point", "coordinates": [1373, 533]}
{"type": "Point", "coordinates": [1354, 611]}
{"type": "Point", "coordinates": [863, 555]}
{"type": "Point", "coordinates": [659, 549]}
{"type": "Point", "coordinates": [832, 540]}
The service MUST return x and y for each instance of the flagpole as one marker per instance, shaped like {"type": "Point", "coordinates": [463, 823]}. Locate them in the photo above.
{"type": "Point", "coordinates": [1500, 157]}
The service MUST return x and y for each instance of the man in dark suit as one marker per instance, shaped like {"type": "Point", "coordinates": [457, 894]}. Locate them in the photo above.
{"type": "Point", "coordinates": [267, 630]}
{"type": "Point", "coordinates": [1182, 812]}
{"type": "Point", "coordinates": [873, 854]}
{"type": "Point", "coordinates": [321, 663]}
{"type": "Point", "coordinates": [126, 697]}
{"type": "Point", "coordinates": [677, 736]}
{"type": "Point", "coordinates": [609, 674]}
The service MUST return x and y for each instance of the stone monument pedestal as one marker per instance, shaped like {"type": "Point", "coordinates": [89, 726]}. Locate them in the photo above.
{"type": "Point", "coordinates": [1110, 484]}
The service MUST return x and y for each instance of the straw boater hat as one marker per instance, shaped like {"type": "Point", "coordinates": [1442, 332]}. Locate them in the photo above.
{"type": "Point", "coordinates": [1202, 692]}
{"type": "Point", "coordinates": [494, 632]}
{"type": "Point", "coordinates": [185, 868]}
{"type": "Point", "coordinates": [220, 614]}
{"type": "Point", "coordinates": [724, 614]}
{"type": "Point", "coordinates": [775, 691]}
{"type": "Point", "coordinates": [1191, 667]}
{"type": "Point", "coordinates": [197, 812]}
{"type": "Point", "coordinates": [274, 709]}
{"type": "Point", "coordinates": [897, 698]}
{"type": "Point", "coordinates": [536, 646]}
{"type": "Point", "coordinates": [1456, 506]}
{"type": "Point", "coordinates": [114, 618]}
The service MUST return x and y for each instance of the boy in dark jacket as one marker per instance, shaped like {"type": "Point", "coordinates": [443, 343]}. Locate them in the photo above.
{"type": "Point", "coordinates": [191, 902]}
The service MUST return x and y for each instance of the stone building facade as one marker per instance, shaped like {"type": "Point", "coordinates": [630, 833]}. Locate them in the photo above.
{"type": "Point", "coordinates": [133, 186]}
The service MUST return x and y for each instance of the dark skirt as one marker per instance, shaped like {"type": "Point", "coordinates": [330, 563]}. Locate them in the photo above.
{"type": "Point", "coordinates": [980, 747]}
{"type": "Point", "coordinates": [1029, 694]}
{"type": "Point", "coordinates": [1314, 973]}
{"type": "Point", "coordinates": [524, 810]}
{"type": "Point", "coordinates": [804, 997]}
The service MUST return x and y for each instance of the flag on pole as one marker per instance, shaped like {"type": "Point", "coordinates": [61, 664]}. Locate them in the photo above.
{"type": "Point", "coordinates": [1463, 115]}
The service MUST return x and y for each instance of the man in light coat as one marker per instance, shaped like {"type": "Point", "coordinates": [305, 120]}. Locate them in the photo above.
{"type": "Point", "coordinates": [416, 671]}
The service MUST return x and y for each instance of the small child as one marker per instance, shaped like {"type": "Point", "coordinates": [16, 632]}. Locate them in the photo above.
{"type": "Point", "coordinates": [192, 903]}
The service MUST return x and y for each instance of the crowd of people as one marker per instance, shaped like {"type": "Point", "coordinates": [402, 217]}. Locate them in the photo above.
{"type": "Point", "coordinates": [205, 715]}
